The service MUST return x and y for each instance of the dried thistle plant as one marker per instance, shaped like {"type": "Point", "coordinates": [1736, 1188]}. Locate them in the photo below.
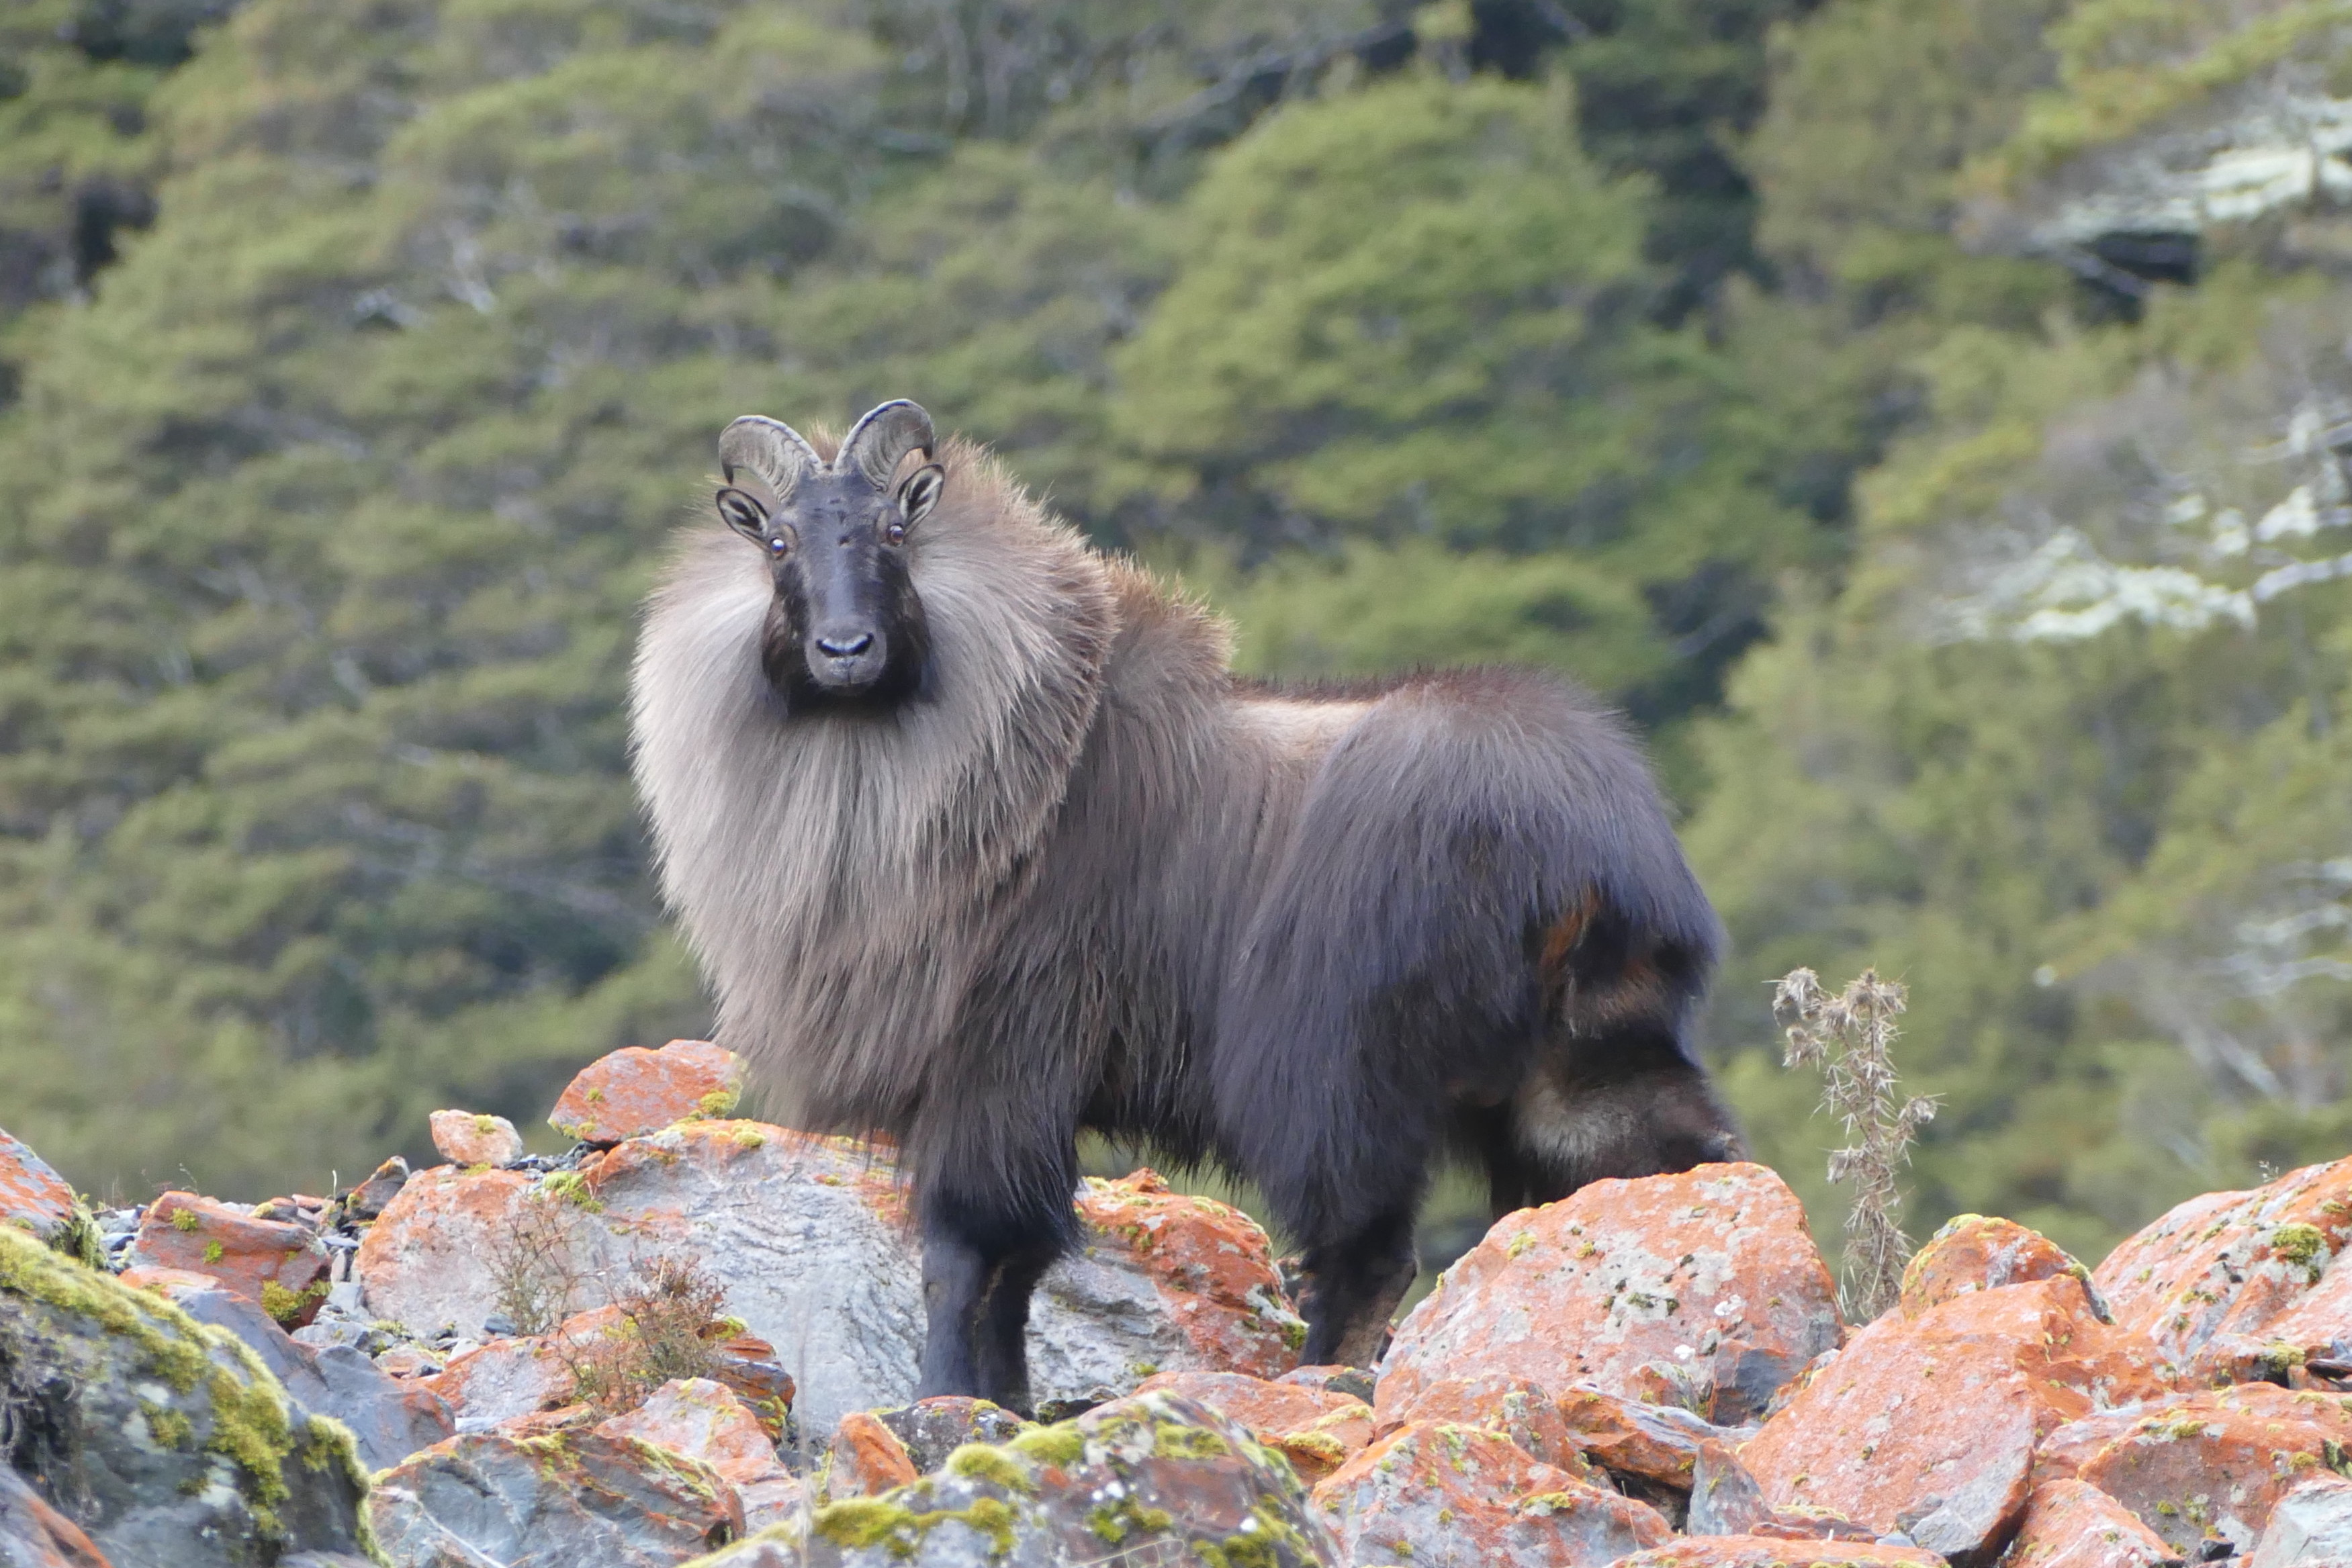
{"type": "Point", "coordinates": [669, 1317]}
{"type": "Point", "coordinates": [534, 1268]}
{"type": "Point", "coordinates": [1850, 1038]}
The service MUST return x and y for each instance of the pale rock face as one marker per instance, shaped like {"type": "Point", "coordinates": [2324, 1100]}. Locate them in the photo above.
{"type": "Point", "coordinates": [565, 1499]}
{"type": "Point", "coordinates": [809, 1237]}
{"type": "Point", "coordinates": [2312, 1522]}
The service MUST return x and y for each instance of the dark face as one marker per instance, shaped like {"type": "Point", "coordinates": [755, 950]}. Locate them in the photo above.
{"type": "Point", "coordinates": [846, 624]}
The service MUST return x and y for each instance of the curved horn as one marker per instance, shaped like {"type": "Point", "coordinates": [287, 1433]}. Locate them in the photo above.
{"type": "Point", "coordinates": [877, 442]}
{"type": "Point", "coordinates": [774, 451]}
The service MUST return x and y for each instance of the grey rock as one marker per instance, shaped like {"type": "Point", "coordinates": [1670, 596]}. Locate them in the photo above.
{"type": "Point", "coordinates": [389, 1420]}
{"type": "Point", "coordinates": [367, 1200]}
{"type": "Point", "coordinates": [569, 1499]}
{"type": "Point", "coordinates": [1724, 1498]}
{"type": "Point", "coordinates": [934, 1428]}
{"type": "Point", "coordinates": [2313, 1521]}
{"type": "Point", "coordinates": [170, 1443]}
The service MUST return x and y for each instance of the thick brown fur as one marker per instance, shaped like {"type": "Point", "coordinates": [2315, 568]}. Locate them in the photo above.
{"type": "Point", "coordinates": [1082, 877]}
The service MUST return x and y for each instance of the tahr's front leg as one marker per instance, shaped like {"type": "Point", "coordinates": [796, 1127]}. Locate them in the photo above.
{"type": "Point", "coordinates": [977, 1281]}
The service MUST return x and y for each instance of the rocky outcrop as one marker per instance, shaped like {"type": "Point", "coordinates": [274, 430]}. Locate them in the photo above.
{"type": "Point", "coordinates": [1703, 1289]}
{"type": "Point", "coordinates": [1647, 1373]}
{"type": "Point", "coordinates": [168, 1443]}
{"type": "Point", "coordinates": [1927, 1426]}
{"type": "Point", "coordinates": [2214, 1283]}
{"type": "Point", "coordinates": [807, 1235]}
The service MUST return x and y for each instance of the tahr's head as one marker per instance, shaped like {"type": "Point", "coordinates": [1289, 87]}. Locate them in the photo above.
{"type": "Point", "coordinates": [847, 623]}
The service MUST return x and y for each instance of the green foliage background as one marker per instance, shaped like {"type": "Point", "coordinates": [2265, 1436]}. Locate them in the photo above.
{"type": "Point", "coordinates": [356, 357]}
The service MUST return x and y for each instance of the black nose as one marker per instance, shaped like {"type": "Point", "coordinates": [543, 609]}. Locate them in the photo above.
{"type": "Point", "coordinates": [839, 647]}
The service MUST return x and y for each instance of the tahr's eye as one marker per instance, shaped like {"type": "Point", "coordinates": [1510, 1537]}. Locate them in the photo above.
{"type": "Point", "coordinates": [895, 533]}
{"type": "Point", "coordinates": [779, 545]}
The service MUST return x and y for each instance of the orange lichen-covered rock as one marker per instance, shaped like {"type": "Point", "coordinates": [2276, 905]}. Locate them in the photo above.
{"type": "Point", "coordinates": [2072, 1525]}
{"type": "Point", "coordinates": [704, 1420]}
{"type": "Point", "coordinates": [1971, 1252]}
{"type": "Point", "coordinates": [167, 1281]}
{"type": "Point", "coordinates": [432, 1258]}
{"type": "Point", "coordinates": [2066, 1450]}
{"type": "Point", "coordinates": [1210, 1265]}
{"type": "Point", "coordinates": [1430, 1492]}
{"type": "Point", "coordinates": [1317, 1431]}
{"type": "Point", "coordinates": [634, 1091]}
{"type": "Point", "coordinates": [32, 1196]}
{"type": "Point", "coordinates": [494, 1383]}
{"type": "Point", "coordinates": [1657, 1442]}
{"type": "Point", "coordinates": [1928, 1425]}
{"type": "Point", "coordinates": [1502, 1402]}
{"type": "Point", "coordinates": [868, 1460]}
{"type": "Point", "coordinates": [2230, 1265]}
{"type": "Point", "coordinates": [2214, 1465]}
{"type": "Point", "coordinates": [1706, 1281]}
{"type": "Point", "coordinates": [280, 1266]}
{"type": "Point", "coordinates": [465, 1138]}
{"type": "Point", "coordinates": [1778, 1552]}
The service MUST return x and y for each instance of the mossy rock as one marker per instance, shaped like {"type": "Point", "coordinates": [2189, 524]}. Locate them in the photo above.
{"type": "Point", "coordinates": [1153, 1477]}
{"type": "Point", "coordinates": [166, 1440]}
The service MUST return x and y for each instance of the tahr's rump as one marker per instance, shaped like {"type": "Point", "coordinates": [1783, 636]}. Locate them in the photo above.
{"type": "Point", "coordinates": [983, 844]}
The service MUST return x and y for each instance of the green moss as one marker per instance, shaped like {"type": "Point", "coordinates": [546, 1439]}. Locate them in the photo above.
{"type": "Point", "coordinates": [1171, 1442]}
{"type": "Point", "coordinates": [2298, 1243]}
{"type": "Point", "coordinates": [173, 1345]}
{"type": "Point", "coordinates": [251, 1424]}
{"type": "Point", "coordinates": [285, 1306]}
{"type": "Point", "coordinates": [1294, 1335]}
{"type": "Point", "coordinates": [749, 1137]}
{"type": "Point", "coordinates": [171, 1428]}
{"type": "Point", "coordinates": [862, 1522]}
{"type": "Point", "coordinates": [485, 1123]}
{"type": "Point", "coordinates": [717, 1102]}
{"type": "Point", "coordinates": [215, 1251]}
{"type": "Point", "coordinates": [1115, 1521]}
{"type": "Point", "coordinates": [570, 1186]}
{"type": "Point", "coordinates": [1519, 1244]}
{"type": "Point", "coordinates": [1061, 1445]}
{"type": "Point", "coordinates": [980, 1462]}
{"type": "Point", "coordinates": [185, 1219]}
{"type": "Point", "coordinates": [79, 1239]}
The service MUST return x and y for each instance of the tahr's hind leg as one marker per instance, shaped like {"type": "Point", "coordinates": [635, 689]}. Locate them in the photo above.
{"type": "Point", "coordinates": [1353, 1285]}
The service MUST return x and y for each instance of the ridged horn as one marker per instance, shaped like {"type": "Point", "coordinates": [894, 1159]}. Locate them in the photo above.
{"type": "Point", "coordinates": [877, 442]}
{"type": "Point", "coordinates": [772, 450]}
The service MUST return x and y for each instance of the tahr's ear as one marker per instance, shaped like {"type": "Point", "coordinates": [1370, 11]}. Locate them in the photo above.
{"type": "Point", "coordinates": [921, 491]}
{"type": "Point", "coordinates": [743, 513]}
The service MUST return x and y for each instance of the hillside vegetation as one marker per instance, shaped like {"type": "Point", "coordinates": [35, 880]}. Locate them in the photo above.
{"type": "Point", "coordinates": [1928, 417]}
